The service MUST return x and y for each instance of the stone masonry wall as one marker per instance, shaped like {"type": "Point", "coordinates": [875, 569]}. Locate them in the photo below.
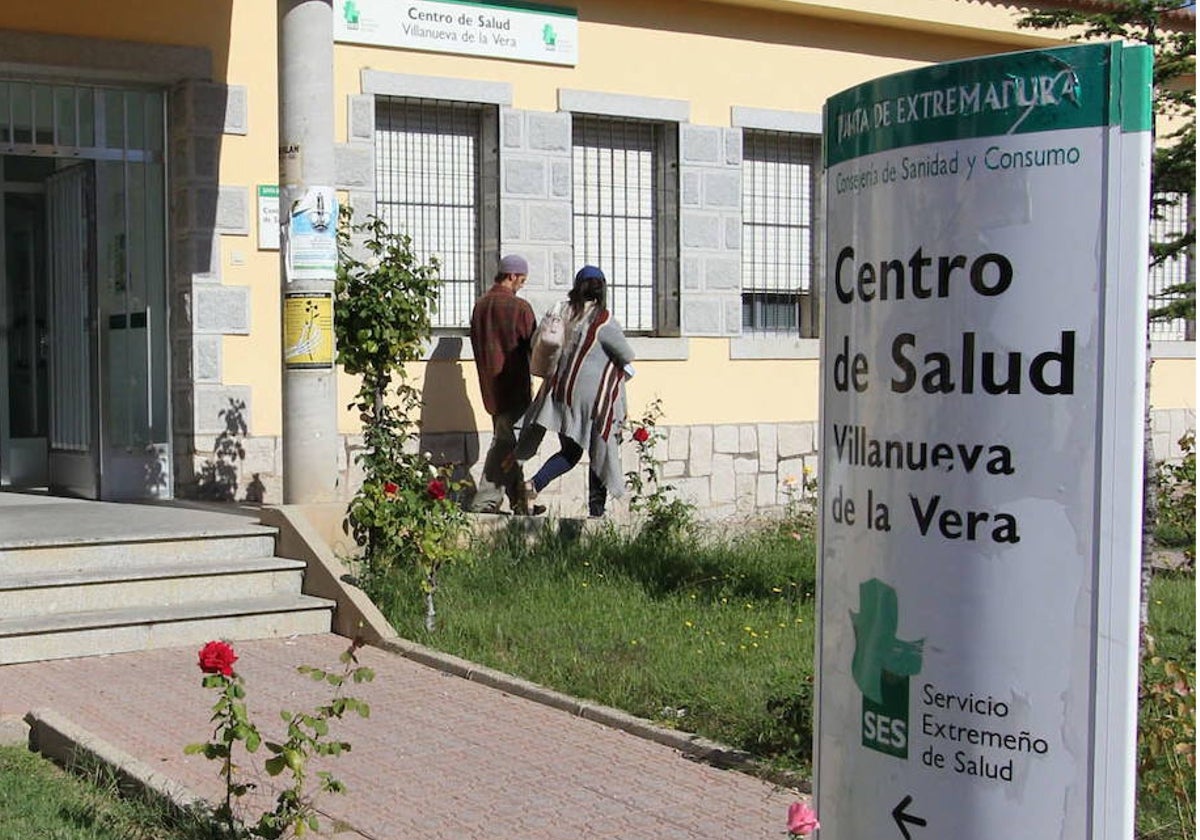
{"type": "Point", "coordinates": [726, 471]}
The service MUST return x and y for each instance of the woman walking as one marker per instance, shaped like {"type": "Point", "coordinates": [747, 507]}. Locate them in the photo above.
{"type": "Point", "coordinates": [583, 400]}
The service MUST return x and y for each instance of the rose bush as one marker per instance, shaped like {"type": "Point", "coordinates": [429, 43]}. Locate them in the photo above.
{"type": "Point", "coordinates": [406, 512]}
{"type": "Point", "coordinates": [666, 516]}
{"type": "Point", "coordinates": [307, 735]}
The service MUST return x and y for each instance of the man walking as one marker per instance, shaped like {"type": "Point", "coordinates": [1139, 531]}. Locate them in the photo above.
{"type": "Point", "coordinates": [501, 332]}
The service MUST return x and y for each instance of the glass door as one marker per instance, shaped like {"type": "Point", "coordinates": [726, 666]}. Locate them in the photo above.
{"type": "Point", "coordinates": [132, 299]}
{"type": "Point", "coordinates": [24, 357]}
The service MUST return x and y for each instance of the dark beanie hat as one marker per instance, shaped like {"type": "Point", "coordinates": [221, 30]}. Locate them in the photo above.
{"type": "Point", "coordinates": [589, 272]}
{"type": "Point", "coordinates": [514, 264]}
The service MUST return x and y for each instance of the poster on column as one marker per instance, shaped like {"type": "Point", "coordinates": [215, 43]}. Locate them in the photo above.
{"type": "Point", "coordinates": [982, 393]}
{"type": "Point", "coordinates": [310, 236]}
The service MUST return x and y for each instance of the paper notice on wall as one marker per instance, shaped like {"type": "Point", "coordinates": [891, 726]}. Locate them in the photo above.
{"type": "Point", "coordinates": [310, 236]}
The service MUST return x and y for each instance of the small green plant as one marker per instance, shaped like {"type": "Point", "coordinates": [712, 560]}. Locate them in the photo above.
{"type": "Point", "coordinates": [1176, 523]}
{"type": "Point", "coordinates": [405, 512]}
{"type": "Point", "coordinates": [1167, 738]}
{"type": "Point", "coordinates": [307, 735]}
{"type": "Point", "coordinates": [666, 515]}
{"type": "Point", "coordinates": [800, 508]}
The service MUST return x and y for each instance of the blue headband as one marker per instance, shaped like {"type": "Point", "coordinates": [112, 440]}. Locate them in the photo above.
{"type": "Point", "coordinates": [589, 272]}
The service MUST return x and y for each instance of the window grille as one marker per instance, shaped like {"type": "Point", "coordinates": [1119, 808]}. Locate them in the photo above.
{"type": "Point", "coordinates": [779, 175]}
{"type": "Point", "coordinates": [436, 181]}
{"type": "Point", "coordinates": [624, 210]}
{"type": "Point", "coordinates": [1172, 221]}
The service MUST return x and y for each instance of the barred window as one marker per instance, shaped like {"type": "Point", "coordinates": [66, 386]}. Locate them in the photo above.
{"type": "Point", "coordinates": [1172, 273]}
{"type": "Point", "coordinates": [624, 211]}
{"type": "Point", "coordinates": [779, 174]}
{"type": "Point", "coordinates": [437, 181]}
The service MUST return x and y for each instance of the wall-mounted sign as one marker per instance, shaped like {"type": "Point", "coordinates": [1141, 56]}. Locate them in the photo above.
{"type": "Point", "coordinates": [268, 217]}
{"type": "Point", "coordinates": [308, 330]}
{"type": "Point", "coordinates": [982, 390]}
{"type": "Point", "coordinates": [517, 31]}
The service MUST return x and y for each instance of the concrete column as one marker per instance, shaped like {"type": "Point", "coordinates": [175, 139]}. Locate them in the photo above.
{"type": "Point", "coordinates": [306, 160]}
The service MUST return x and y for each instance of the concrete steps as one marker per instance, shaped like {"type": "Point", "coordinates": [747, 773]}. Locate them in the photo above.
{"type": "Point", "coordinates": [95, 593]}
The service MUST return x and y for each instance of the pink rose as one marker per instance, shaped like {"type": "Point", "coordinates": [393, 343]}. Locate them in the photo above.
{"type": "Point", "coordinates": [641, 434]}
{"type": "Point", "coordinates": [217, 658]}
{"type": "Point", "coordinates": [436, 489]}
{"type": "Point", "coordinates": [802, 819]}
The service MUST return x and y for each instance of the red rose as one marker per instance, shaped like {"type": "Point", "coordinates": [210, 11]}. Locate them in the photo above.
{"type": "Point", "coordinates": [217, 658]}
{"type": "Point", "coordinates": [390, 488]}
{"type": "Point", "coordinates": [641, 434]}
{"type": "Point", "coordinates": [436, 489]}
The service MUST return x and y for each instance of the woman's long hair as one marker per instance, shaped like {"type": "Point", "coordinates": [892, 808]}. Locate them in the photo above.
{"type": "Point", "coordinates": [589, 287]}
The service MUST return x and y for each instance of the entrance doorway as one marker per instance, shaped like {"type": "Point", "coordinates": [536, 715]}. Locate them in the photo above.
{"type": "Point", "coordinates": [84, 382]}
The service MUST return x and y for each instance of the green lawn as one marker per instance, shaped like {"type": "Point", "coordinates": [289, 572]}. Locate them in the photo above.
{"type": "Point", "coordinates": [38, 801]}
{"type": "Point", "coordinates": [715, 638]}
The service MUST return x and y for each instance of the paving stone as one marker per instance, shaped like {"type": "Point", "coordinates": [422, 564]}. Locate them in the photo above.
{"type": "Point", "coordinates": [439, 757]}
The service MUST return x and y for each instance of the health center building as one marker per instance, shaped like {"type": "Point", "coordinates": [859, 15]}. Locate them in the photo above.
{"type": "Point", "coordinates": [676, 143]}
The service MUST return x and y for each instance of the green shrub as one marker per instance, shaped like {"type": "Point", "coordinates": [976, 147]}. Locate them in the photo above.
{"type": "Point", "coordinates": [1175, 526]}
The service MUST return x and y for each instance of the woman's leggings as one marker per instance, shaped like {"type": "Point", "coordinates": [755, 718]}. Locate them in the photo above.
{"type": "Point", "coordinates": [562, 462]}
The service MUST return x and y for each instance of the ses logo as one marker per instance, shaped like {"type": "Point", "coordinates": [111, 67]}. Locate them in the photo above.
{"type": "Point", "coordinates": [881, 667]}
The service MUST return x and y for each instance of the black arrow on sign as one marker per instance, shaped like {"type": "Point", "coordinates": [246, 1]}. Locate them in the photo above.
{"type": "Point", "coordinates": [901, 818]}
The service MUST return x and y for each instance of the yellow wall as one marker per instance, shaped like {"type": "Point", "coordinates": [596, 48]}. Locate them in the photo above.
{"type": "Point", "coordinates": [708, 388]}
{"type": "Point", "coordinates": [1173, 383]}
{"type": "Point", "coordinates": [712, 55]}
{"type": "Point", "coordinates": [192, 23]}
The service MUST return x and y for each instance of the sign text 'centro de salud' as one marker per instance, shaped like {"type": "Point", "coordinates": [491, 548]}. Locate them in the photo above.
{"type": "Point", "coordinates": [516, 30]}
{"type": "Point", "coordinates": [984, 313]}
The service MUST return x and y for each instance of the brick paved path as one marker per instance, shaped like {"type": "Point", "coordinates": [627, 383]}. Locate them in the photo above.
{"type": "Point", "coordinates": [439, 757]}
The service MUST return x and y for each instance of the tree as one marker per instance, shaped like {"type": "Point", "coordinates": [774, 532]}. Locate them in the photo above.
{"type": "Point", "coordinates": [1169, 28]}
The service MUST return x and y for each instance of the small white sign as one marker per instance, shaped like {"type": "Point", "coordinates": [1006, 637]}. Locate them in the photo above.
{"type": "Point", "coordinates": [544, 34]}
{"type": "Point", "coordinates": [268, 217]}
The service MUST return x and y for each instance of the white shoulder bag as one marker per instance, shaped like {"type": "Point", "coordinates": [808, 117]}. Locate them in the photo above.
{"type": "Point", "coordinates": [548, 342]}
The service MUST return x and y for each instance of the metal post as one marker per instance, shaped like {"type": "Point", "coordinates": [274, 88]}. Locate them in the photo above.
{"type": "Point", "coordinates": [306, 169]}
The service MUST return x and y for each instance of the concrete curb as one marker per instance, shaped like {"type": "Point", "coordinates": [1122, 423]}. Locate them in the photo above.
{"type": "Point", "coordinates": [14, 731]}
{"type": "Point", "coordinates": [691, 746]}
{"type": "Point", "coordinates": [59, 739]}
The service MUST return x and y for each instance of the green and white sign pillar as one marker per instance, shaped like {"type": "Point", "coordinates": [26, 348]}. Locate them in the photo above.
{"type": "Point", "coordinates": [982, 399]}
